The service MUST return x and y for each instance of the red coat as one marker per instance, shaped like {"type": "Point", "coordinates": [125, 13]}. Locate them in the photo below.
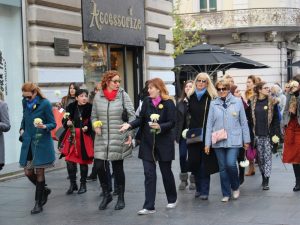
{"type": "Point", "coordinates": [291, 153]}
{"type": "Point", "coordinates": [74, 154]}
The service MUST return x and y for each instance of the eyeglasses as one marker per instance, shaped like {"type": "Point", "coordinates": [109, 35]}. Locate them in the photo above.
{"type": "Point", "coordinates": [266, 88]}
{"type": "Point", "coordinates": [28, 97]}
{"type": "Point", "coordinates": [201, 81]}
{"type": "Point", "coordinates": [221, 89]}
{"type": "Point", "coordinates": [116, 81]}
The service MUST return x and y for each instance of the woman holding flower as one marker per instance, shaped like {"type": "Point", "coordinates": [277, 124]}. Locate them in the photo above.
{"type": "Point", "coordinates": [77, 145]}
{"type": "Point", "coordinates": [156, 121]}
{"type": "Point", "coordinates": [265, 123]}
{"type": "Point", "coordinates": [227, 131]}
{"type": "Point", "coordinates": [37, 151]}
{"type": "Point", "coordinates": [291, 127]}
{"type": "Point", "coordinates": [110, 106]}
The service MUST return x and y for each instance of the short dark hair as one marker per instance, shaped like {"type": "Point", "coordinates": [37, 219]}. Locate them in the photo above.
{"type": "Point", "coordinates": [80, 91]}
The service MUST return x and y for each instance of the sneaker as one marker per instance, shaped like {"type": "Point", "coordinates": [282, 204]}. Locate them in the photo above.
{"type": "Point", "coordinates": [236, 194]}
{"type": "Point", "coordinates": [203, 197]}
{"type": "Point", "coordinates": [145, 212]}
{"type": "Point", "coordinates": [225, 199]}
{"type": "Point", "coordinates": [171, 205]}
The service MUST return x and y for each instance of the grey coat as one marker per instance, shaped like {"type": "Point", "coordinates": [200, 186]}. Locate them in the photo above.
{"type": "Point", "coordinates": [286, 114]}
{"type": "Point", "coordinates": [110, 144]}
{"type": "Point", "coordinates": [4, 127]}
{"type": "Point", "coordinates": [232, 119]}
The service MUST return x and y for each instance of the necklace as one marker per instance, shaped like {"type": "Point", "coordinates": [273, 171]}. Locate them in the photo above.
{"type": "Point", "coordinates": [79, 112]}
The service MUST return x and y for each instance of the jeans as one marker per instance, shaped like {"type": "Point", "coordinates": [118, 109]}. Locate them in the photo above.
{"type": "Point", "coordinates": [183, 155]}
{"type": "Point", "coordinates": [227, 158]}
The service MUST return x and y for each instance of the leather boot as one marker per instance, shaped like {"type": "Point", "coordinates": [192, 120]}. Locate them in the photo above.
{"type": "Point", "coordinates": [39, 191]}
{"type": "Point", "coordinates": [183, 181]}
{"type": "Point", "coordinates": [73, 187]}
{"type": "Point", "coordinates": [192, 182]}
{"type": "Point", "coordinates": [82, 188]}
{"type": "Point", "coordinates": [297, 186]}
{"type": "Point", "coordinates": [107, 198]}
{"type": "Point", "coordinates": [47, 192]}
{"type": "Point", "coordinates": [120, 203]}
{"type": "Point", "coordinates": [251, 170]}
{"type": "Point", "coordinates": [266, 184]}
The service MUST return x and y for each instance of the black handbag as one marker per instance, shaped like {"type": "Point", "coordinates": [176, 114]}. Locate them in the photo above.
{"type": "Point", "coordinates": [125, 117]}
{"type": "Point", "coordinates": [195, 135]}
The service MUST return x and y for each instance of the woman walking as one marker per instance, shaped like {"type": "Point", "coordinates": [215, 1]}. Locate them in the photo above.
{"type": "Point", "coordinates": [266, 128]}
{"type": "Point", "coordinates": [70, 97]}
{"type": "Point", "coordinates": [181, 125]}
{"type": "Point", "coordinates": [111, 108]}
{"type": "Point", "coordinates": [291, 127]}
{"type": "Point", "coordinates": [4, 127]}
{"type": "Point", "coordinates": [227, 131]}
{"type": "Point", "coordinates": [37, 151]}
{"type": "Point", "coordinates": [200, 164]}
{"type": "Point", "coordinates": [156, 121]}
{"type": "Point", "coordinates": [77, 145]}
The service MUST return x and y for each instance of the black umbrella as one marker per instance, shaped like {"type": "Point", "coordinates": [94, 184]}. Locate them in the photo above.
{"type": "Point", "coordinates": [211, 58]}
{"type": "Point", "coordinates": [297, 63]}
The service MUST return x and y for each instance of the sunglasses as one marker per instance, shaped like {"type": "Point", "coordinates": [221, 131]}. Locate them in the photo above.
{"type": "Point", "coordinates": [221, 89]}
{"type": "Point", "coordinates": [28, 97]}
{"type": "Point", "coordinates": [201, 81]}
{"type": "Point", "coordinates": [116, 81]}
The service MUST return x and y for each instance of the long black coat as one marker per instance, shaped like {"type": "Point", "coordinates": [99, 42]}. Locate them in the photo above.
{"type": "Point", "coordinates": [181, 123]}
{"type": "Point", "coordinates": [163, 149]}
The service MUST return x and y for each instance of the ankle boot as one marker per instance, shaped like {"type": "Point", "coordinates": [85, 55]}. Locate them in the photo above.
{"type": "Point", "coordinates": [266, 184]}
{"type": "Point", "coordinates": [47, 191]}
{"type": "Point", "coordinates": [183, 178]}
{"type": "Point", "coordinates": [251, 170]}
{"type": "Point", "coordinates": [73, 187]}
{"type": "Point", "coordinates": [297, 185]}
{"type": "Point", "coordinates": [38, 198]}
{"type": "Point", "coordinates": [192, 182]}
{"type": "Point", "coordinates": [120, 203]}
{"type": "Point", "coordinates": [82, 188]}
{"type": "Point", "coordinates": [107, 198]}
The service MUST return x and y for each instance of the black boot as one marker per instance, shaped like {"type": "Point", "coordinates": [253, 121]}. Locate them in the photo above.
{"type": "Point", "coordinates": [266, 184]}
{"type": "Point", "coordinates": [82, 188]}
{"type": "Point", "coordinates": [73, 187]}
{"type": "Point", "coordinates": [120, 203]}
{"type": "Point", "coordinates": [39, 191]}
{"type": "Point", "coordinates": [107, 198]}
{"type": "Point", "coordinates": [47, 192]}
{"type": "Point", "coordinates": [72, 170]}
{"type": "Point", "coordinates": [241, 174]}
{"type": "Point", "coordinates": [297, 186]}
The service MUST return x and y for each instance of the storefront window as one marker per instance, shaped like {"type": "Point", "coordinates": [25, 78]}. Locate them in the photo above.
{"type": "Point", "coordinates": [11, 71]}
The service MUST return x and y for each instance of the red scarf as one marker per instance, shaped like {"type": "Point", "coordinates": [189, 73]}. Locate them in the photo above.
{"type": "Point", "coordinates": [110, 95]}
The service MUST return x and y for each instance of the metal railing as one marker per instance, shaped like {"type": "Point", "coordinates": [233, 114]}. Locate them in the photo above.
{"type": "Point", "coordinates": [242, 18]}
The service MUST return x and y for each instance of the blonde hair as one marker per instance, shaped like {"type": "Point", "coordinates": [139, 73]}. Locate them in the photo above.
{"type": "Point", "coordinates": [224, 83]}
{"type": "Point", "coordinates": [210, 87]}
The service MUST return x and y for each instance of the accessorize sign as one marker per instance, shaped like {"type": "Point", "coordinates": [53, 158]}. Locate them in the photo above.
{"type": "Point", "coordinates": [114, 21]}
{"type": "Point", "coordinates": [3, 75]}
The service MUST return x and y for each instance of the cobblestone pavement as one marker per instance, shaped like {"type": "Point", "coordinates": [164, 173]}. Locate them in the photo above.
{"type": "Point", "coordinates": [279, 205]}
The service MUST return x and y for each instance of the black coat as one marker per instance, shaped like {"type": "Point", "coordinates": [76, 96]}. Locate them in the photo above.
{"type": "Point", "coordinates": [164, 148]}
{"type": "Point", "coordinates": [181, 123]}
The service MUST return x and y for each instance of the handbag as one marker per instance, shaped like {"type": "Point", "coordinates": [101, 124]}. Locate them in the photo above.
{"type": "Point", "coordinates": [218, 135]}
{"type": "Point", "coordinates": [125, 117]}
{"type": "Point", "coordinates": [195, 135]}
{"type": "Point", "coordinates": [251, 153]}
{"type": "Point", "coordinates": [58, 116]}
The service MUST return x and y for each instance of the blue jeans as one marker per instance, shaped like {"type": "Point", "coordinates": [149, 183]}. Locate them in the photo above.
{"type": "Point", "coordinates": [227, 158]}
{"type": "Point", "coordinates": [183, 155]}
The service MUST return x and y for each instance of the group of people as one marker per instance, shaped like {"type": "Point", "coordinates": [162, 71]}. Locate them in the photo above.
{"type": "Point", "coordinates": [213, 125]}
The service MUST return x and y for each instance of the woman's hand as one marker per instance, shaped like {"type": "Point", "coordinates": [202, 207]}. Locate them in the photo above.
{"type": "Point", "coordinates": [207, 150]}
{"type": "Point", "coordinates": [21, 132]}
{"type": "Point", "coordinates": [69, 123]}
{"type": "Point", "coordinates": [98, 131]}
{"type": "Point", "coordinates": [41, 126]}
{"type": "Point", "coordinates": [85, 129]}
{"type": "Point", "coordinates": [155, 126]}
{"type": "Point", "coordinates": [124, 127]}
{"type": "Point", "coordinates": [129, 141]}
{"type": "Point", "coordinates": [246, 146]}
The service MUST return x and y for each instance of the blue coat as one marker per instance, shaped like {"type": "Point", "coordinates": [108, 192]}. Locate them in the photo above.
{"type": "Point", "coordinates": [42, 147]}
{"type": "Point", "coordinates": [232, 119]}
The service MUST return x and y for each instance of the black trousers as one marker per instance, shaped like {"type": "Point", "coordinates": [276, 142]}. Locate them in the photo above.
{"type": "Point", "coordinates": [72, 170]}
{"type": "Point", "coordinates": [296, 168]}
{"type": "Point", "coordinates": [118, 171]}
{"type": "Point", "coordinates": [150, 182]}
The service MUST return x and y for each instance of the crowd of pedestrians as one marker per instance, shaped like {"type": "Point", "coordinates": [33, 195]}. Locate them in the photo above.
{"type": "Point", "coordinates": [215, 126]}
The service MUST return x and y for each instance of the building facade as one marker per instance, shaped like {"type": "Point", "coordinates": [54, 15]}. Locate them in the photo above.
{"type": "Point", "coordinates": [265, 31]}
{"type": "Point", "coordinates": [48, 43]}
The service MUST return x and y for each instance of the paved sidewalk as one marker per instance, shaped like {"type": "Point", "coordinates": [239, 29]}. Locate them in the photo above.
{"type": "Point", "coordinates": [277, 206]}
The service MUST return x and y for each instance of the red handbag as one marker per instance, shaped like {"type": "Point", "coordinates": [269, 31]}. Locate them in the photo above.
{"type": "Point", "coordinates": [251, 153]}
{"type": "Point", "coordinates": [58, 116]}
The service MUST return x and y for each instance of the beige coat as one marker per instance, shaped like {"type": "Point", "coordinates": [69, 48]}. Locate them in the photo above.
{"type": "Point", "coordinates": [110, 144]}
